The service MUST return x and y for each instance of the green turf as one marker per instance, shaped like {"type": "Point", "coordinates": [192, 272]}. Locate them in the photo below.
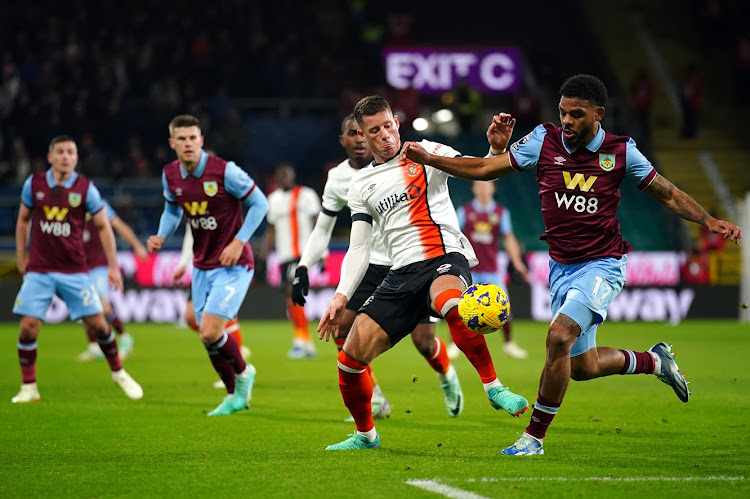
{"type": "Point", "coordinates": [85, 438]}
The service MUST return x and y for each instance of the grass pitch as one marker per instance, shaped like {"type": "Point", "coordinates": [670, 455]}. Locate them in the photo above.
{"type": "Point", "coordinates": [614, 437]}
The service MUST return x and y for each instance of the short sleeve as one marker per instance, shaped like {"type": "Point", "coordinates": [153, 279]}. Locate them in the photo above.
{"type": "Point", "coordinates": [237, 182]}
{"type": "Point", "coordinates": [94, 201]}
{"type": "Point", "coordinates": [638, 170]}
{"type": "Point", "coordinates": [506, 226]}
{"type": "Point", "coordinates": [165, 188]}
{"type": "Point", "coordinates": [524, 153]}
{"type": "Point", "coordinates": [310, 202]}
{"type": "Point", "coordinates": [26, 196]}
{"type": "Point", "coordinates": [111, 213]}
{"type": "Point", "coordinates": [334, 194]}
{"type": "Point", "coordinates": [356, 204]}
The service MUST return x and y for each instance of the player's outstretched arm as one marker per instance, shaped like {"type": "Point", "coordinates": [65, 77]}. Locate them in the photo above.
{"type": "Point", "coordinates": [465, 167]}
{"type": "Point", "coordinates": [314, 251]}
{"type": "Point", "coordinates": [127, 233]}
{"type": "Point", "coordinates": [23, 228]}
{"type": "Point", "coordinates": [170, 219]}
{"type": "Point", "coordinates": [686, 207]}
{"type": "Point", "coordinates": [101, 222]}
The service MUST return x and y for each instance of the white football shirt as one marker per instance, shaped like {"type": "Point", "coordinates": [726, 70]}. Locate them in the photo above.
{"type": "Point", "coordinates": [291, 213]}
{"type": "Point", "coordinates": [411, 205]}
{"type": "Point", "coordinates": [335, 197]}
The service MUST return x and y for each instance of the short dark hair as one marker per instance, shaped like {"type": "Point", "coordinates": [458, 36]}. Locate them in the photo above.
{"type": "Point", "coordinates": [585, 87]}
{"type": "Point", "coordinates": [183, 121]}
{"type": "Point", "coordinates": [60, 138]}
{"type": "Point", "coordinates": [368, 106]}
{"type": "Point", "coordinates": [345, 121]}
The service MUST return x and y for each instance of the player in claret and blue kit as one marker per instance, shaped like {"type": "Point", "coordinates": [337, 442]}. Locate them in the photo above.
{"type": "Point", "coordinates": [211, 193]}
{"type": "Point", "coordinates": [579, 169]}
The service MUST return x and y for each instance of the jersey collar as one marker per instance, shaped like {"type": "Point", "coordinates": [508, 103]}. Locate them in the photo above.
{"type": "Point", "coordinates": [199, 170]}
{"type": "Point", "coordinates": [592, 146]}
{"type": "Point", "coordinates": [68, 183]}
{"type": "Point", "coordinates": [478, 207]}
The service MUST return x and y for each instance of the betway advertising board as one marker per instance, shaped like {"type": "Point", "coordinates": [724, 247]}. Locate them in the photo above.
{"type": "Point", "coordinates": [652, 292]}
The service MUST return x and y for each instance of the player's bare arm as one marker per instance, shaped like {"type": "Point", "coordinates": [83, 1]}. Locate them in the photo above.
{"type": "Point", "coordinates": [230, 255]}
{"type": "Point", "coordinates": [127, 233]}
{"type": "Point", "coordinates": [101, 222]}
{"type": "Point", "coordinates": [23, 228]}
{"type": "Point", "coordinates": [465, 167]}
{"type": "Point", "coordinates": [686, 207]}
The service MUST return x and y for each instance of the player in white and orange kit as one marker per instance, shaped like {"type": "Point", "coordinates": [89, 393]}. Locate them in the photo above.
{"type": "Point", "coordinates": [411, 206]}
{"type": "Point", "coordinates": [291, 215]}
{"type": "Point", "coordinates": [335, 199]}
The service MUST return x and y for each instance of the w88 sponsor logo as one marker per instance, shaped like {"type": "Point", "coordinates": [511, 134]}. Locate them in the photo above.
{"type": "Point", "coordinates": [204, 223]}
{"type": "Point", "coordinates": [578, 203]}
{"type": "Point", "coordinates": [56, 229]}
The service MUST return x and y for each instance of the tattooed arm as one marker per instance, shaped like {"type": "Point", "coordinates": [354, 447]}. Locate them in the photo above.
{"type": "Point", "coordinates": [686, 207]}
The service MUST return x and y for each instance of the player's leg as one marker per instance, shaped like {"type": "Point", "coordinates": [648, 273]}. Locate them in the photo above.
{"type": "Point", "coordinates": [217, 296]}
{"type": "Point", "coordinates": [32, 302]}
{"type": "Point", "coordinates": [445, 291]}
{"type": "Point", "coordinates": [434, 350]}
{"type": "Point", "coordinates": [365, 342]}
{"type": "Point", "coordinates": [302, 344]}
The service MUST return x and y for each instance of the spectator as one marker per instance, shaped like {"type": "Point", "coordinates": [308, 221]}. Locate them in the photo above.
{"type": "Point", "coordinates": [642, 97]}
{"type": "Point", "coordinates": [691, 98]}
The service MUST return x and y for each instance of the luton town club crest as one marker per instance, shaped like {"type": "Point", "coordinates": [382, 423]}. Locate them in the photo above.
{"type": "Point", "coordinates": [74, 199]}
{"type": "Point", "coordinates": [210, 188]}
{"type": "Point", "coordinates": [607, 161]}
{"type": "Point", "coordinates": [413, 169]}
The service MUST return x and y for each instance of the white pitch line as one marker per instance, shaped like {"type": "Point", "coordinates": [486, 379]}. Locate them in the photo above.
{"type": "Point", "coordinates": [447, 491]}
{"type": "Point", "coordinates": [709, 478]}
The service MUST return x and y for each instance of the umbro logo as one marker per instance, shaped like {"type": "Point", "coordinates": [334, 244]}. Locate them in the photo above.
{"type": "Point", "coordinates": [444, 268]}
{"type": "Point", "coordinates": [178, 192]}
{"type": "Point", "coordinates": [559, 160]}
{"type": "Point", "coordinates": [40, 195]}
{"type": "Point", "coordinates": [371, 187]}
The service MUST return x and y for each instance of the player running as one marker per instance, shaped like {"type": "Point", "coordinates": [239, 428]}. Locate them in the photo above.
{"type": "Point", "coordinates": [335, 195]}
{"type": "Point", "coordinates": [580, 167]}
{"type": "Point", "coordinates": [431, 261]}
{"type": "Point", "coordinates": [210, 192]}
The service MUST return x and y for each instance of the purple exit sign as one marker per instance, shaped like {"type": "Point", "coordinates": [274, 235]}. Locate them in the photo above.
{"type": "Point", "coordinates": [433, 70]}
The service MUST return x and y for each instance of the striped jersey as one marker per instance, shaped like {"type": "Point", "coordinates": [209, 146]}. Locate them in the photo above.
{"type": "Point", "coordinates": [291, 213]}
{"type": "Point", "coordinates": [336, 196]}
{"type": "Point", "coordinates": [412, 207]}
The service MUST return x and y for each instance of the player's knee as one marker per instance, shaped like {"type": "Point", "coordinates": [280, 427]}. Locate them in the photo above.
{"type": "Point", "coordinates": [560, 338]}
{"type": "Point", "coordinates": [424, 341]}
{"type": "Point", "coordinates": [29, 329]}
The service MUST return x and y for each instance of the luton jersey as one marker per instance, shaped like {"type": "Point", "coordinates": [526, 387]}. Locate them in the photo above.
{"type": "Point", "coordinates": [95, 255]}
{"type": "Point", "coordinates": [58, 220]}
{"type": "Point", "coordinates": [211, 199]}
{"type": "Point", "coordinates": [336, 196]}
{"type": "Point", "coordinates": [484, 226]}
{"type": "Point", "coordinates": [291, 213]}
{"type": "Point", "coordinates": [580, 190]}
{"type": "Point", "coordinates": [412, 207]}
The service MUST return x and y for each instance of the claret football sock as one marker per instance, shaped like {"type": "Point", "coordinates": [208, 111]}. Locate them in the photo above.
{"type": "Point", "coordinates": [108, 344]}
{"type": "Point", "coordinates": [27, 359]}
{"type": "Point", "coordinates": [638, 362]}
{"type": "Point", "coordinates": [541, 417]}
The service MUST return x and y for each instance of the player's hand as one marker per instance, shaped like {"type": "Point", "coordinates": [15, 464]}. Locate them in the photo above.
{"type": "Point", "coordinates": [414, 152]}
{"type": "Point", "coordinates": [329, 323]}
{"type": "Point", "coordinates": [231, 254]}
{"type": "Point", "coordinates": [300, 286]}
{"type": "Point", "coordinates": [728, 229]}
{"type": "Point", "coordinates": [524, 271]}
{"type": "Point", "coordinates": [500, 131]}
{"type": "Point", "coordinates": [22, 263]}
{"type": "Point", "coordinates": [177, 274]}
{"type": "Point", "coordinates": [141, 253]}
{"type": "Point", "coordinates": [154, 243]}
{"type": "Point", "coordinates": [115, 278]}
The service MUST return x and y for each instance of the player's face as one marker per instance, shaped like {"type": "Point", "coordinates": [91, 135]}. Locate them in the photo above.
{"type": "Point", "coordinates": [63, 157]}
{"type": "Point", "coordinates": [355, 144]}
{"type": "Point", "coordinates": [381, 133]}
{"type": "Point", "coordinates": [285, 177]}
{"type": "Point", "coordinates": [187, 143]}
{"type": "Point", "coordinates": [580, 121]}
{"type": "Point", "coordinates": [483, 191]}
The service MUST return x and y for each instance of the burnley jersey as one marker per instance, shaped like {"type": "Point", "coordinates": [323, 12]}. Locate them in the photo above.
{"type": "Point", "coordinates": [336, 197]}
{"type": "Point", "coordinates": [211, 199]}
{"type": "Point", "coordinates": [484, 226]}
{"type": "Point", "coordinates": [412, 207]}
{"type": "Point", "coordinates": [58, 220]}
{"type": "Point", "coordinates": [580, 190]}
{"type": "Point", "coordinates": [95, 255]}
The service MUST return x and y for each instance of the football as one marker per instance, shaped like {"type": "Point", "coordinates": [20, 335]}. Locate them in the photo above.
{"type": "Point", "coordinates": [484, 307]}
